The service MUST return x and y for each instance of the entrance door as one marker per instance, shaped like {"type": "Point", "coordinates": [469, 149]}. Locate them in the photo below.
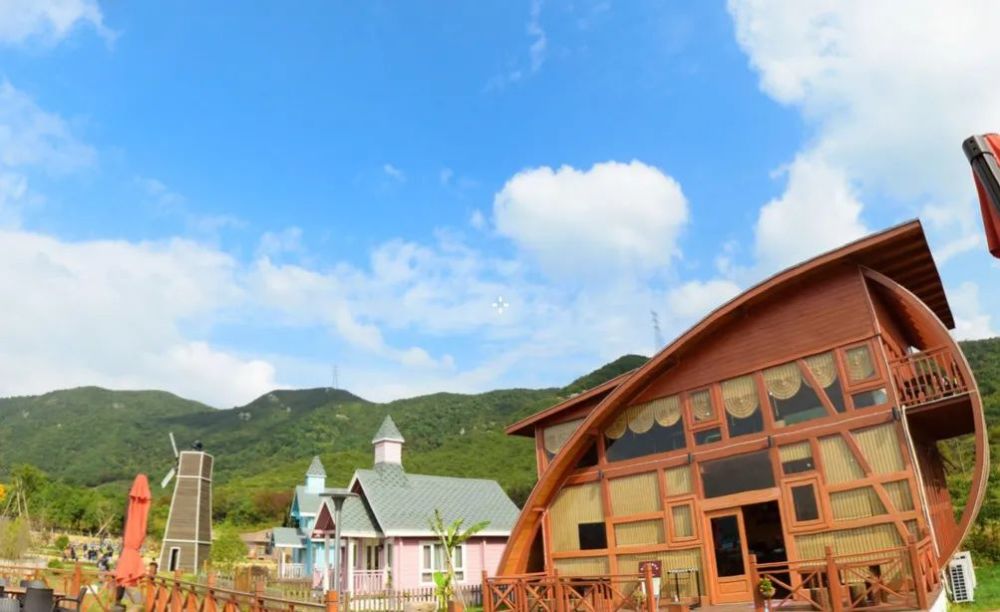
{"type": "Point", "coordinates": [730, 567]}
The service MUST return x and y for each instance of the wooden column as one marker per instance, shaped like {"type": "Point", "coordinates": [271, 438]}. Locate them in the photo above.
{"type": "Point", "coordinates": [758, 599]}
{"type": "Point", "coordinates": [332, 601]}
{"type": "Point", "coordinates": [647, 580]}
{"type": "Point", "coordinates": [487, 593]}
{"type": "Point", "coordinates": [919, 582]}
{"type": "Point", "coordinates": [833, 582]}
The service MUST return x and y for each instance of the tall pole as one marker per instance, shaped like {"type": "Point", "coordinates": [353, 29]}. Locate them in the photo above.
{"type": "Point", "coordinates": [326, 560]}
{"type": "Point", "coordinates": [338, 503]}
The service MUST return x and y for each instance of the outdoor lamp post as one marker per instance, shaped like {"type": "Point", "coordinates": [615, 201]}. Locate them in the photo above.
{"type": "Point", "coordinates": [337, 496]}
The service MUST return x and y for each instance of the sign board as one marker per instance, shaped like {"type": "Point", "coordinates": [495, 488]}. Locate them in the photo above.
{"type": "Point", "coordinates": [655, 566]}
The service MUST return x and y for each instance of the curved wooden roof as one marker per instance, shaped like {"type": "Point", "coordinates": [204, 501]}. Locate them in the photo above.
{"type": "Point", "coordinates": [900, 253]}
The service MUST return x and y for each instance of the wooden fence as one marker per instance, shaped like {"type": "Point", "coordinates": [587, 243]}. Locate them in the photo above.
{"type": "Point", "coordinates": [396, 601]}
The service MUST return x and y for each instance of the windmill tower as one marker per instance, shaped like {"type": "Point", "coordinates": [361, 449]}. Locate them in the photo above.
{"type": "Point", "coordinates": [187, 540]}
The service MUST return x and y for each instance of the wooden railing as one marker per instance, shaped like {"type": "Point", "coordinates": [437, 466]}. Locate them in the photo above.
{"type": "Point", "coordinates": [470, 595]}
{"type": "Point", "coordinates": [928, 376]}
{"type": "Point", "coordinates": [66, 581]}
{"type": "Point", "coordinates": [555, 593]}
{"type": "Point", "coordinates": [173, 594]}
{"type": "Point", "coordinates": [902, 578]}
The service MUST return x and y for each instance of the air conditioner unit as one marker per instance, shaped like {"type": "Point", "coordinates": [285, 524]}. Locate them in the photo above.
{"type": "Point", "coordinates": [961, 577]}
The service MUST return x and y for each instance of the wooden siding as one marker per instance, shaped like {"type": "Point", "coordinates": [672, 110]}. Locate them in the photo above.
{"type": "Point", "coordinates": [800, 320]}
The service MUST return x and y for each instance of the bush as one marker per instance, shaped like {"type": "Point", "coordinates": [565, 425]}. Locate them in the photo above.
{"type": "Point", "coordinates": [55, 564]}
{"type": "Point", "coordinates": [15, 538]}
{"type": "Point", "coordinates": [984, 542]}
{"type": "Point", "coordinates": [62, 542]}
{"type": "Point", "coordinates": [228, 549]}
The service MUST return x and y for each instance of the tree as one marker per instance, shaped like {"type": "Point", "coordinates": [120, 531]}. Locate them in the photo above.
{"type": "Point", "coordinates": [228, 549]}
{"type": "Point", "coordinates": [451, 536]}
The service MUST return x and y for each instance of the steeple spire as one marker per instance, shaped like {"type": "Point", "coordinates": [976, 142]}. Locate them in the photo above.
{"type": "Point", "coordinates": [388, 443]}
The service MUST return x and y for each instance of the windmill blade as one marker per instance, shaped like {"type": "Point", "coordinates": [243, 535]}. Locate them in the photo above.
{"type": "Point", "coordinates": [166, 479]}
{"type": "Point", "coordinates": [173, 443]}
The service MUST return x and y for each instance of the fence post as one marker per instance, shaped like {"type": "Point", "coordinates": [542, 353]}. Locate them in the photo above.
{"type": "Point", "coordinates": [175, 592]}
{"type": "Point", "coordinates": [332, 601]}
{"type": "Point", "coordinates": [487, 594]}
{"type": "Point", "coordinates": [150, 586]}
{"type": "Point", "coordinates": [758, 597]}
{"type": "Point", "coordinates": [647, 580]}
{"type": "Point", "coordinates": [919, 582]}
{"type": "Point", "coordinates": [833, 582]}
{"type": "Point", "coordinates": [557, 591]}
{"type": "Point", "coordinates": [77, 578]}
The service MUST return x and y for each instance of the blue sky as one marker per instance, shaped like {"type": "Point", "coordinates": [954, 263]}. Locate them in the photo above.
{"type": "Point", "coordinates": [220, 203]}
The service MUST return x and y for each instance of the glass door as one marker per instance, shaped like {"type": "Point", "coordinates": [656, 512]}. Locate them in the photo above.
{"type": "Point", "coordinates": [730, 561]}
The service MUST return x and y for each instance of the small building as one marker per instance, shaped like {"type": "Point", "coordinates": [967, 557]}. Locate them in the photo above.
{"type": "Point", "coordinates": [387, 542]}
{"type": "Point", "coordinates": [794, 425]}
{"type": "Point", "coordinates": [258, 543]}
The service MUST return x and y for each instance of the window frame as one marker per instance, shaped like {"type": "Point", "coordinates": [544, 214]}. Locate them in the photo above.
{"type": "Point", "coordinates": [806, 479]}
{"type": "Point", "coordinates": [695, 532]}
{"type": "Point", "coordinates": [877, 379]}
{"type": "Point", "coordinates": [434, 546]}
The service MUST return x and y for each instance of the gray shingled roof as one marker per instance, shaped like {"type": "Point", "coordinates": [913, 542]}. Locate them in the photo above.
{"type": "Point", "coordinates": [287, 537]}
{"type": "Point", "coordinates": [388, 431]}
{"type": "Point", "coordinates": [316, 468]}
{"type": "Point", "coordinates": [405, 503]}
{"type": "Point", "coordinates": [308, 503]}
{"type": "Point", "coordinates": [355, 519]}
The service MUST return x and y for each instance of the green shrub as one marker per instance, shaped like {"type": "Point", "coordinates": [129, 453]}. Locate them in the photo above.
{"type": "Point", "coordinates": [55, 564]}
{"type": "Point", "coordinates": [984, 542]}
{"type": "Point", "coordinates": [62, 542]}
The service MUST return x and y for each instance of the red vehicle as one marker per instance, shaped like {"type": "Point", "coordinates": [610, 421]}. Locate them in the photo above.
{"type": "Point", "coordinates": [982, 152]}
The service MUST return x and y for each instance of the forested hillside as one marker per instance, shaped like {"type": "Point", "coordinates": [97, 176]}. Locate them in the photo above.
{"type": "Point", "coordinates": [99, 439]}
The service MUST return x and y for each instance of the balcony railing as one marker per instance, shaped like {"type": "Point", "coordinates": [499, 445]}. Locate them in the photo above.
{"type": "Point", "coordinates": [928, 376]}
{"type": "Point", "coordinates": [369, 581]}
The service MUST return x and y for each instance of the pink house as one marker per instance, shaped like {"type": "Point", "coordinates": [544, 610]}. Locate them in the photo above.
{"type": "Point", "coordinates": [387, 542]}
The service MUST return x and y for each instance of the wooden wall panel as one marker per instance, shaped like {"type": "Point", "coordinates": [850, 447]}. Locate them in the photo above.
{"type": "Point", "coordinates": [639, 533]}
{"type": "Point", "coordinates": [880, 447]}
{"type": "Point", "coordinates": [839, 464]}
{"type": "Point", "coordinates": [573, 506]}
{"type": "Point", "coordinates": [582, 566]}
{"type": "Point", "coordinates": [801, 320]}
{"type": "Point", "coordinates": [634, 494]}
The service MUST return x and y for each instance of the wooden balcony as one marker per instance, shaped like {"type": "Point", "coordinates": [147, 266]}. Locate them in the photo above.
{"type": "Point", "coordinates": [927, 377]}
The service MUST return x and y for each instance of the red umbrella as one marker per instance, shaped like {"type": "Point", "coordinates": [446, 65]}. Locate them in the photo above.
{"type": "Point", "coordinates": [130, 567]}
{"type": "Point", "coordinates": [983, 153]}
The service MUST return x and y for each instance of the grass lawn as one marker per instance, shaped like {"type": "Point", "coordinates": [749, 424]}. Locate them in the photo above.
{"type": "Point", "coordinates": [987, 590]}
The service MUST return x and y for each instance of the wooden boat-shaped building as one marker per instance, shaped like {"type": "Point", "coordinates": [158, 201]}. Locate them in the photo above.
{"type": "Point", "coordinates": [792, 433]}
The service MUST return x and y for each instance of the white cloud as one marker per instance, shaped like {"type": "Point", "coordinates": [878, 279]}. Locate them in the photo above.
{"type": "Point", "coordinates": [477, 219]}
{"type": "Point", "coordinates": [114, 313]}
{"type": "Point", "coordinates": [817, 212]}
{"type": "Point", "coordinates": [539, 42]}
{"type": "Point", "coordinates": [288, 240]}
{"type": "Point", "coordinates": [612, 218]}
{"type": "Point", "coordinates": [695, 299]}
{"type": "Point", "coordinates": [890, 94]}
{"type": "Point", "coordinates": [48, 20]}
{"type": "Point", "coordinates": [394, 173]}
{"type": "Point", "coordinates": [970, 320]}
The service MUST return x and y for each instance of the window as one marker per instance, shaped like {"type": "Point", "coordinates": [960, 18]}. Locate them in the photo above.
{"type": "Point", "coordinates": [683, 525]}
{"type": "Point", "coordinates": [432, 560]}
{"type": "Point", "coordinates": [589, 458]}
{"type": "Point", "coordinates": [701, 406]}
{"type": "Point", "coordinates": [804, 406]}
{"type": "Point", "coordinates": [646, 429]}
{"type": "Point", "coordinates": [796, 458]}
{"type": "Point", "coordinates": [867, 399]}
{"type": "Point", "coordinates": [860, 366]}
{"type": "Point", "coordinates": [742, 404]}
{"type": "Point", "coordinates": [748, 472]}
{"type": "Point", "coordinates": [555, 436]}
{"type": "Point", "coordinates": [707, 436]}
{"type": "Point", "coordinates": [592, 536]}
{"type": "Point", "coordinates": [804, 502]}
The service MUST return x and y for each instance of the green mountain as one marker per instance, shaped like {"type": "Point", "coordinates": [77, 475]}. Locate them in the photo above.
{"type": "Point", "coordinates": [99, 438]}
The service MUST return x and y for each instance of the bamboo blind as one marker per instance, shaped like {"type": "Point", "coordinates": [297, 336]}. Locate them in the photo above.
{"type": "Point", "coordinates": [880, 447]}
{"type": "Point", "coordinates": [642, 532]}
{"type": "Point", "coordinates": [679, 480]}
{"type": "Point", "coordinates": [635, 494]}
{"type": "Point", "coordinates": [856, 503]}
{"type": "Point", "coordinates": [683, 523]}
{"type": "Point", "coordinates": [794, 452]}
{"type": "Point", "coordinates": [848, 541]}
{"type": "Point", "coordinates": [899, 495]}
{"type": "Point", "coordinates": [573, 506]}
{"type": "Point", "coordinates": [555, 436]}
{"type": "Point", "coordinates": [582, 566]}
{"type": "Point", "coordinates": [839, 463]}
{"type": "Point", "coordinates": [670, 559]}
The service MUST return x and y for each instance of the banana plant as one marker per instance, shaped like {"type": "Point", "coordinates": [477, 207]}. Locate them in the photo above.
{"type": "Point", "coordinates": [451, 536]}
